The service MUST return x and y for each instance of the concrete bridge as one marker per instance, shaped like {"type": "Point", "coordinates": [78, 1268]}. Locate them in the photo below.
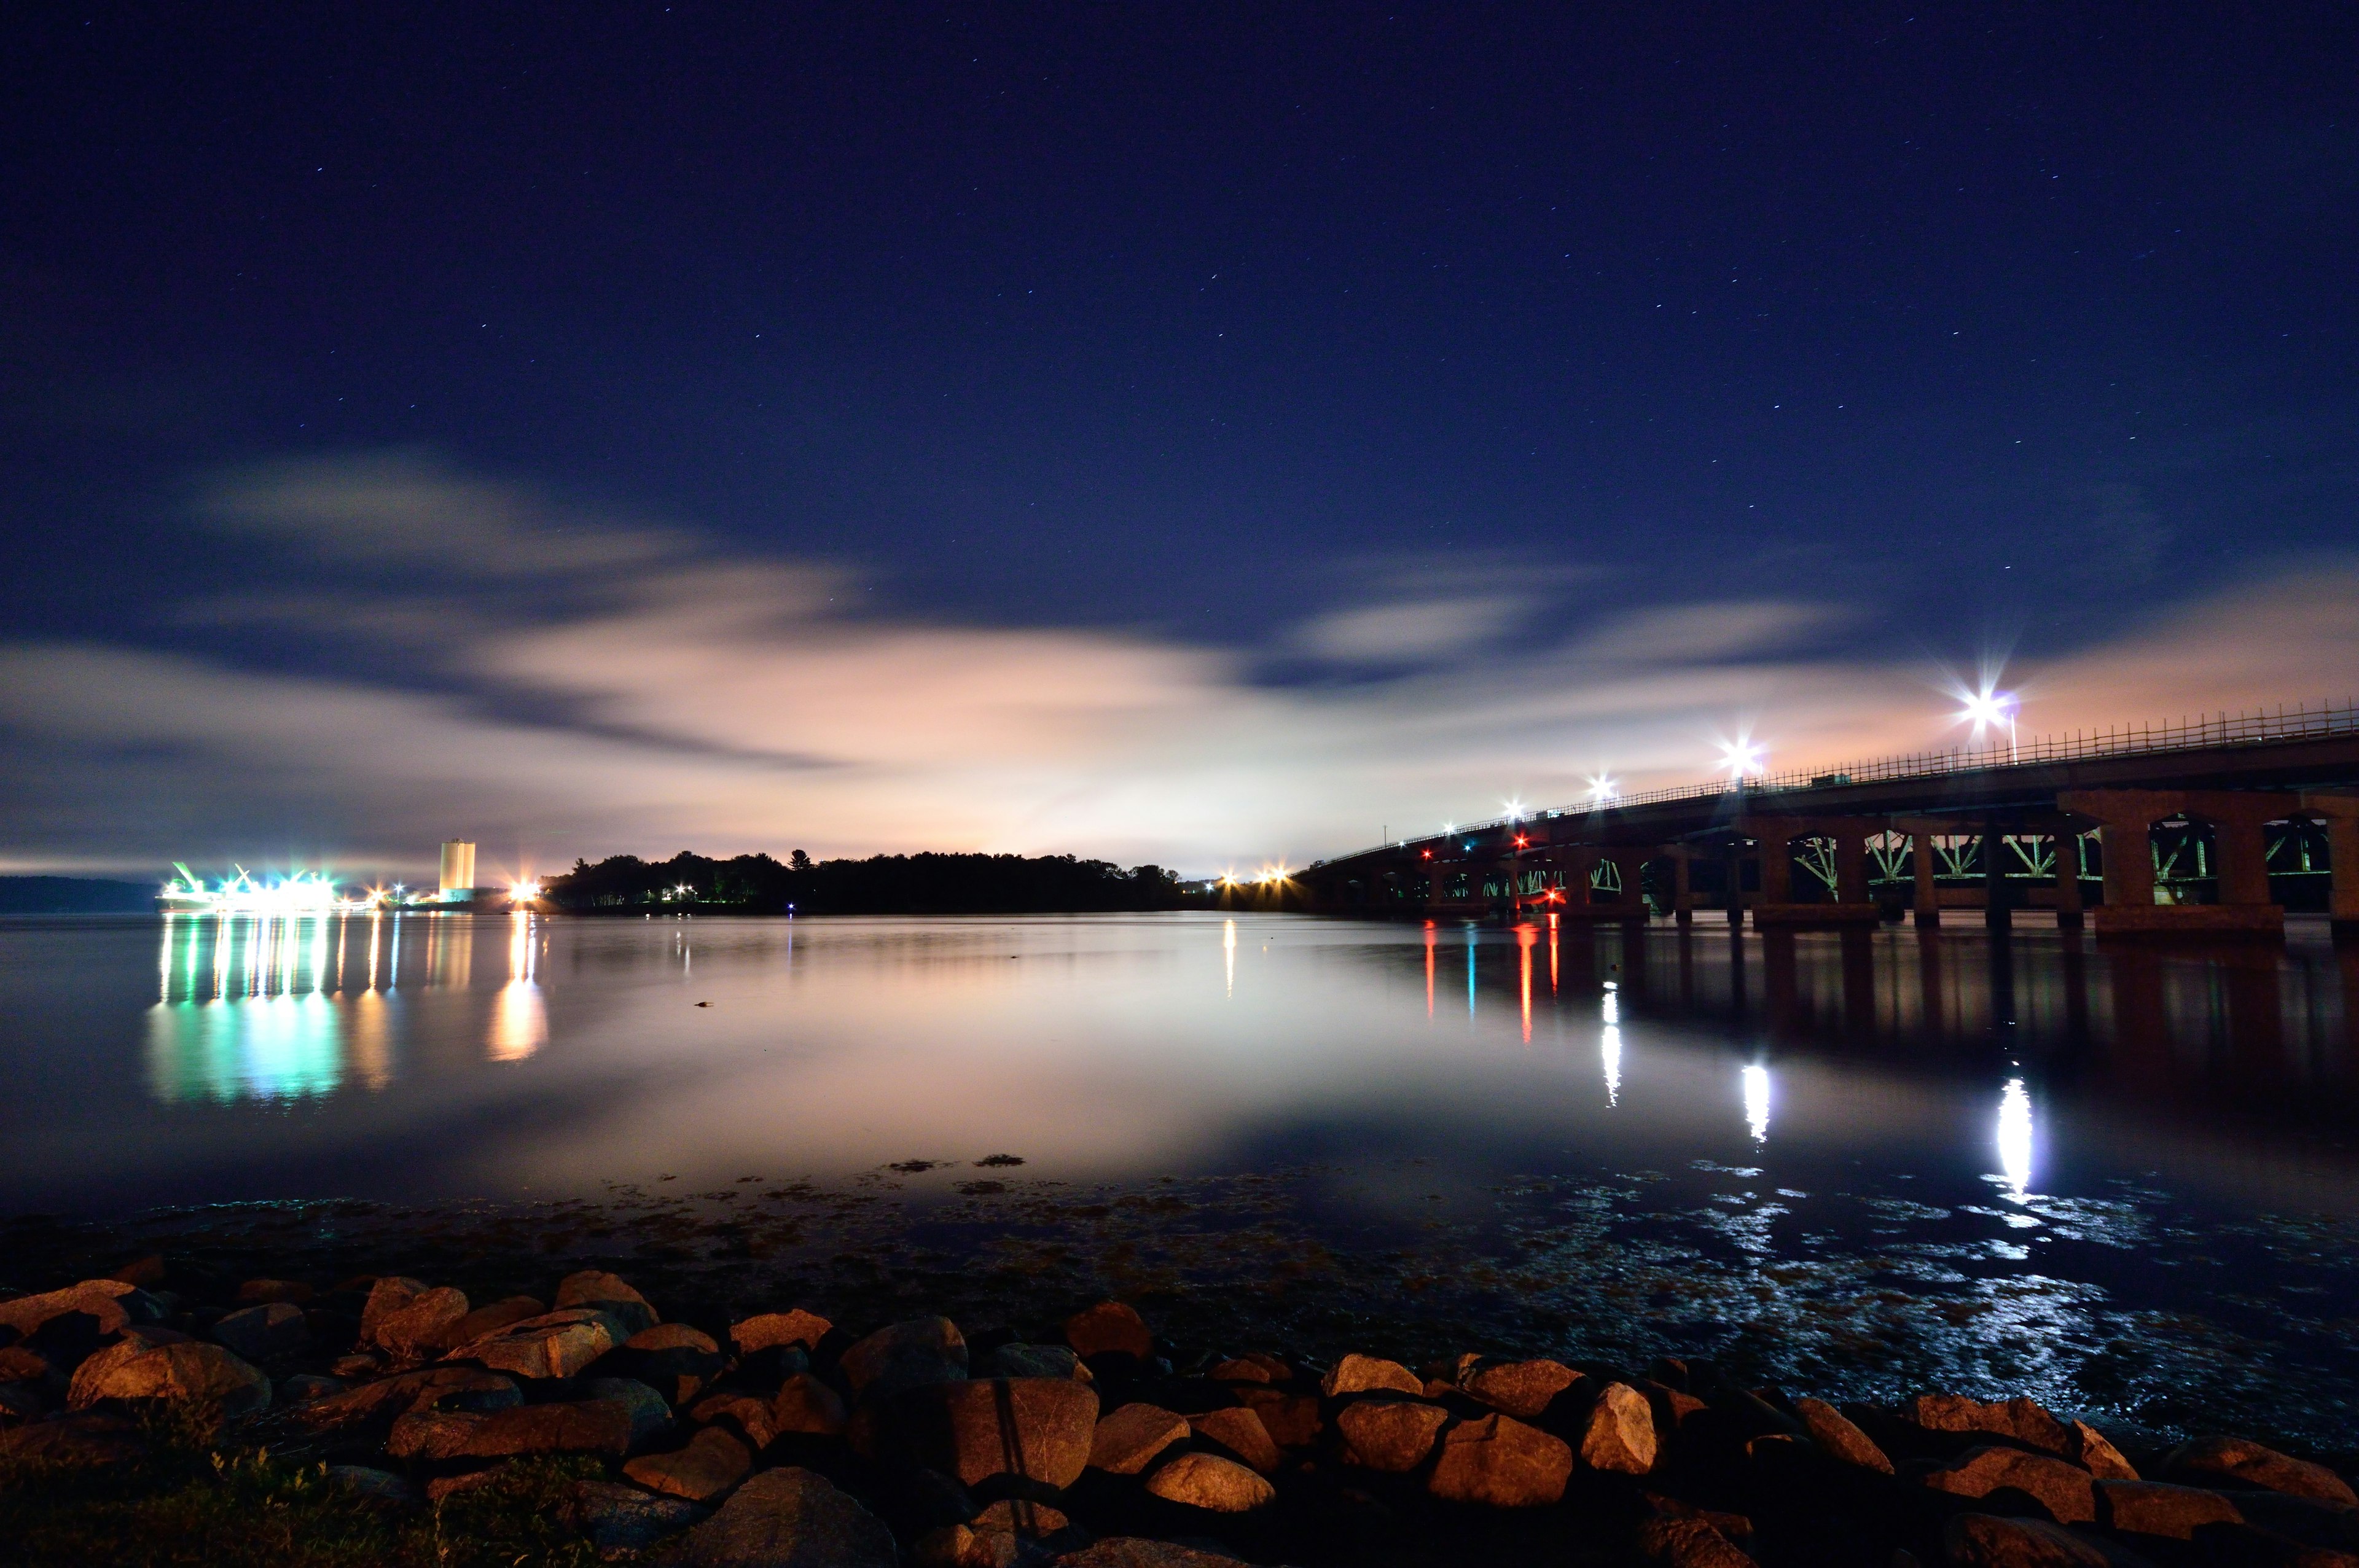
{"type": "Point", "coordinates": [2209, 826]}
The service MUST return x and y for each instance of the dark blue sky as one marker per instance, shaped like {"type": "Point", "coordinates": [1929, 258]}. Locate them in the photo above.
{"type": "Point", "coordinates": [2005, 321]}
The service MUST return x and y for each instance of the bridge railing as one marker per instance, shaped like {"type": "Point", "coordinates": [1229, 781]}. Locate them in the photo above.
{"type": "Point", "coordinates": [2303, 721]}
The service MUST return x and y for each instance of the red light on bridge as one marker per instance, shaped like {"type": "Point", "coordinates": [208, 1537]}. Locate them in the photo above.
{"type": "Point", "coordinates": [1521, 841]}
{"type": "Point", "coordinates": [1428, 853]}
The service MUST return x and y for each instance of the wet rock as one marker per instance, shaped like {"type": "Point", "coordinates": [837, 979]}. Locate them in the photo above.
{"type": "Point", "coordinates": [376, 1486]}
{"type": "Point", "coordinates": [1358, 1374]}
{"type": "Point", "coordinates": [619, 1518]}
{"type": "Point", "coordinates": [87, 1440]}
{"type": "Point", "coordinates": [1500, 1462]}
{"type": "Point", "coordinates": [111, 1306]}
{"type": "Point", "coordinates": [554, 1345]}
{"type": "Point", "coordinates": [1109, 1325]}
{"type": "Point", "coordinates": [1138, 1551]}
{"type": "Point", "coordinates": [430, 1388]}
{"type": "Point", "coordinates": [488, 1320]}
{"type": "Point", "coordinates": [650, 1414]}
{"type": "Point", "coordinates": [147, 1272]}
{"type": "Point", "coordinates": [1240, 1431]}
{"type": "Point", "coordinates": [2237, 1461]}
{"type": "Point", "coordinates": [805, 1404]}
{"type": "Point", "coordinates": [1620, 1433]}
{"type": "Point", "coordinates": [1688, 1543]}
{"type": "Point", "coordinates": [1034, 1361]}
{"type": "Point", "coordinates": [2155, 1507]}
{"type": "Point", "coordinates": [2065, 1490]}
{"type": "Point", "coordinates": [907, 1355]}
{"type": "Point", "coordinates": [675, 1358]}
{"type": "Point", "coordinates": [423, 1327]}
{"type": "Point", "coordinates": [187, 1373]}
{"type": "Point", "coordinates": [711, 1464]}
{"type": "Point", "coordinates": [1127, 1441]}
{"type": "Point", "coordinates": [1253, 1367]}
{"type": "Point", "coordinates": [770, 1330]}
{"type": "Point", "coordinates": [605, 1292]}
{"type": "Point", "coordinates": [749, 1413]}
{"type": "Point", "coordinates": [1208, 1481]}
{"type": "Point", "coordinates": [789, 1517]}
{"type": "Point", "coordinates": [1984, 1541]}
{"type": "Point", "coordinates": [1042, 1428]}
{"type": "Point", "coordinates": [1835, 1433]}
{"type": "Point", "coordinates": [2087, 1447]}
{"type": "Point", "coordinates": [1291, 1420]}
{"type": "Point", "coordinates": [390, 1294]}
{"type": "Point", "coordinates": [255, 1292]}
{"type": "Point", "coordinates": [578, 1426]}
{"type": "Point", "coordinates": [260, 1333]}
{"type": "Point", "coordinates": [2022, 1420]}
{"type": "Point", "coordinates": [1392, 1436]}
{"type": "Point", "coordinates": [1522, 1389]}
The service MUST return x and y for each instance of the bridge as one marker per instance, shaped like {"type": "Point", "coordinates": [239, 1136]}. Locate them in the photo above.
{"type": "Point", "coordinates": [2208, 826]}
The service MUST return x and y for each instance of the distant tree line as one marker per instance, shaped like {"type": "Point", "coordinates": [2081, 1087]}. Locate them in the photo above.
{"type": "Point", "coordinates": [882, 885]}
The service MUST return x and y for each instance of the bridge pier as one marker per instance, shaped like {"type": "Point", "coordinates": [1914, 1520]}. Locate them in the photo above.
{"type": "Point", "coordinates": [2341, 815]}
{"type": "Point", "coordinates": [1682, 889]}
{"type": "Point", "coordinates": [2068, 879]}
{"type": "Point", "coordinates": [2125, 818]}
{"type": "Point", "coordinates": [1921, 861]}
{"type": "Point", "coordinates": [1777, 835]}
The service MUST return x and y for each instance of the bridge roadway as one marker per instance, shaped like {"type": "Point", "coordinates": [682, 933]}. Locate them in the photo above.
{"type": "Point", "coordinates": [2126, 809]}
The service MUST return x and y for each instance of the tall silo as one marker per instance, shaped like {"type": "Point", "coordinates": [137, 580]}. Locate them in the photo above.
{"type": "Point", "coordinates": [458, 868]}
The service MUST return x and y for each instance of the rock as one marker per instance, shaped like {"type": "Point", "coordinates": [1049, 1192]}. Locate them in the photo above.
{"type": "Point", "coordinates": [259, 1333]}
{"type": "Point", "coordinates": [429, 1388]}
{"type": "Point", "coordinates": [387, 1296]}
{"type": "Point", "coordinates": [358, 1367]}
{"type": "Point", "coordinates": [711, 1464]}
{"type": "Point", "coordinates": [2153, 1507]}
{"type": "Point", "coordinates": [619, 1518]}
{"type": "Point", "coordinates": [1209, 1481]}
{"type": "Point", "coordinates": [187, 1373]}
{"type": "Point", "coordinates": [422, 1327]}
{"type": "Point", "coordinates": [1034, 1361]}
{"type": "Point", "coordinates": [607, 1293]}
{"type": "Point", "coordinates": [109, 1305]}
{"type": "Point", "coordinates": [376, 1486]}
{"type": "Point", "coordinates": [20, 1363]}
{"type": "Point", "coordinates": [1109, 1325]}
{"type": "Point", "coordinates": [648, 1411]}
{"type": "Point", "coordinates": [1981, 1540]}
{"type": "Point", "coordinates": [748, 1412]}
{"type": "Point", "coordinates": [675, 1359]}
{"type": "Point", "coordinates": [489, 1319]}
{"type": "Point", "coordinates": [1292, 1420]}
{"type": "Point", "coordinates": [1240, 1431]}
{"type": "Point", "coordinates": [2311, 1523]}
{"type": "Point", "coordinates": [259, 1291]}
{"type": "Point", "coordinates": [1620, 1433]}
{"type": "Point", "coordinates": [88, 1440]}
{"type": "Point", "coordinates": [805, 1404]}
{"type": "Point", "coordinates": [1688, 1543]}
{"type": "Point", "coordinates": [1358, 1374]}
{"type": "Point", "coordinates": [1136, 1551]}
{"type": "Point", "coordinates": [1253, 1367]}
{"type": "Point", "coordinates": [1042, 1428]}
{"type": "Point", "coordinates": [2065, 1490]}
{"type": "Point", "coordinates": [21, 1400]}
{"type": "Point", "coordinates": [2087, 1447]}
{"type": "Point", "coordinates": [578, 1426]}
{"type": "Point", "coordinates": [1020, 1517]}
{"type": "Point", "coordinates": [1127, 1441]}
{"type": "Point", "coordinates": [145, 1272]}
{"type": "Point", "coordinates": [789, 1517]}
{"type": "Point", "coordinates": [305, 1387]}
{"type": "Point", "coordinates": [907, 1355]}
{"type": "Point", "coordinates": [1522, 1389]}
{"type": "Point", "coordinates": [1501, 1462]}
{"type": "Point", "coordinates": [1835, 1433]}
{"type": "Point", "coordinates": [554, 1345]}
{"type": "Point", "coordinates": [440, 1488]}
{"type": "Point", "coordinates": [2241, 1462]}
{"type": "Point", "coordinates": [1389, 1434]}
{"type": "Point", "coordinates": [768, 1330]}
{"type": "Point", "coordinates": [2022, 1420]}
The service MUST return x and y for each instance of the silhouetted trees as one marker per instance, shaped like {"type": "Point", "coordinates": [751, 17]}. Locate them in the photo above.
{"type": "Point", "coordinates": [882, 885]}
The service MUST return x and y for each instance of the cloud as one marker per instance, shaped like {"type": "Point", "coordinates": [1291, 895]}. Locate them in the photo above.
{"type": "Point", "coordinates": [654, 693]}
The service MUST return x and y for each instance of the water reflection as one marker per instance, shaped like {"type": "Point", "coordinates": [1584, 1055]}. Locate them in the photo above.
{"type": "Point", "coordinates": [2015, 1139]}
{"type": "Point", "coordinates": [520, 1021]}
{"type": "Point", "coordinates": [1757, 1102]}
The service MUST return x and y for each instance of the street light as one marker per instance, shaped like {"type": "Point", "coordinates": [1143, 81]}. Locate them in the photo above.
{"type": "Point", "coordinates": [1602, 789]}
{"type": "Point", "coordinates": [1987, 709]}
{"type": "Point", "coordinates": [1740, 758]}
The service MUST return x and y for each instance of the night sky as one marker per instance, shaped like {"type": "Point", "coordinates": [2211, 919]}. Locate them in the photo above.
{"type": "Point", "coordinates": [1195, 434]}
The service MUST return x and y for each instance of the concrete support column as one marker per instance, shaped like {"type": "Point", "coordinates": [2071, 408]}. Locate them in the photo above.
{"type": "Point", "coordinates": [2342, 864]}
{"type": "Point", "coordinates": [1997, 913]}
{"type": "Point", "coordinates": [2242, 842]}
{"type": "Point", "coordinates": [2129, 863]}
{"type": "Point", "coordinates": [1776, 867]}
{"type": "Point", "coordinates": [1851, 868]}
{"type": "Point", "coordinates": [1734, 901]}
{"type": "Point", "coordinates": [1580, 866]}
{"type": "Point", "coordinates": [1630, 866]}
{"type": "Point", "coordinates": [1683, 893]}
{"type": "Point", "coordinates": [2068, 879]}
{"type": "Point", "coordinates": [1922, 857]}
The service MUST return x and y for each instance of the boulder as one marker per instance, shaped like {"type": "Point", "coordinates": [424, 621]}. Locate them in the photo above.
{"type": "Point", "coordinates": [1253, 1367]}
{"type": "Point", "coordinates": [650, 1414]}
{"type": "Point", "coordinates": [304, 1388]}
{"type": "Point", "coordinates": [749, 1413]}
{"type": "Point", "coordinates": [1522, 1389]}
{"type": "Point", "coordinates": [619, 1518]}
{"type": "Point", "coordinates": [387, 1296]}
{"type": "Point", "coordinates": [1138, 1551]}
{"type": "Point", "coordinates": [907, 1355]}
{"type": "Point", "coordinates": [255, 1292]}
{"type": "Point", "coordinates": [259, 1333]}
{"type": "Point", "coordinates": [1041, 1428]}
{"type": "Point", "coordinates": [429, 1388]}
{"type": "Point", "coordinates": [185, 1373]}
{"type": "Point", "coordinates": [769, 1330]}
{"type": "Point", "coordinates": [576, 1426]}
{"type": "Point", "coordinates": [1688, 1543]}
{"type": "Point", "coordinates": [87, 1440]}
{"type": "Point", "coordinates": [1983, 1541]}
{"type": "Point", "coordinates": [1240, 1431]}
{"type": "Point", "coordinates": [368, 1482]}
{"type": "Point", "coordinates": [606, 1292]}
{"type": "Point", "coordinates": [2065, 1490]}
{"type": "Point", "coordinates": [789, 1517]}
{"type": "Point", "coordinates": [1839, 1438]}
{"type": "Point", "coordinates": [424, 1326]}
{"type": "Point", "coordinates": [2237, 1461]}
{"type": "Point", "coordinates": [1499, 1461]}
{"type": "Point", "coordinates": [1291, 1420]}
{"type": "Point", "coordinates": [805, 1404]}
{"type": "Point", "coordinates": [1109, 1325]}
{"type": "Point", "coordinates": [1208, 1481]}
{"type": "Point", "coordinates": [1389, 1434]}
{"type": "Point", "coordinates": [2021, 1419]}
{"type": "Point", "coordinates": [1619, 1436]}
{"type": "Point", "coordinates": [2087, 1447]}
{"type": "Point", "coordinates": [711, 1464]}
{"type": "Point", "coordinates": [675, 1358]}
{"type": "Point", "coordinates": [2303, 1520]}
{"type": "Point", "coordinates": [111, 1306]}
{"type": "Point", "coordinates": [1034, 1361]}
{"type": "Point", "coordinates": [1358, 1374]}
{"type": "Point", "coordinates": [2155, 1507]}
{"type": "Point", "coordinates": [489, 1319]}
{"type": "Point", "coordinates": [1127, 1441]}
{"type": "Point", "coordinates": [554, 1345]}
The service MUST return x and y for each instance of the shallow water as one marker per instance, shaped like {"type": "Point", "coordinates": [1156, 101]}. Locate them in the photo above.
{"type": "Point", "coordinates": [2122, 1178]}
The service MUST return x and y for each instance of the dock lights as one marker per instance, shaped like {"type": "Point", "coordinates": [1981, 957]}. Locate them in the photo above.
{"type": "Point", "coordinates": [524, 892]}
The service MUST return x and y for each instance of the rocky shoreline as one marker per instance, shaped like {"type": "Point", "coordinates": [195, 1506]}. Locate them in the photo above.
{"type": "Point", "coordinates": [783, 1438]}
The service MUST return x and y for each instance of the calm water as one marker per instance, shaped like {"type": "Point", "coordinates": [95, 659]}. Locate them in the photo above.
{"type": "Point", "coordinates": [2076, 1149]}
